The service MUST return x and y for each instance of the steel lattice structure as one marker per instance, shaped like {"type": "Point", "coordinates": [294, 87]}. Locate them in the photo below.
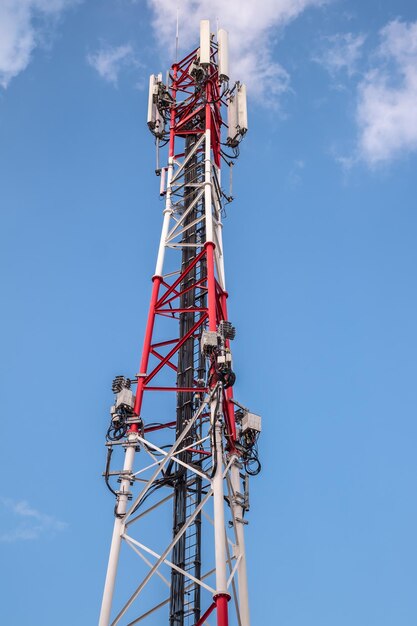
{"type": "Point", "coordinates": [190, 466]}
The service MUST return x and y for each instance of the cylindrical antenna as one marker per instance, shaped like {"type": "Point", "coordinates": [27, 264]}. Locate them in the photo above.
{"type": "Point", "coordinates": [177, 34]}
{"type": "Point", "coordinates": [205, 42]}
{"type": "Point", "coordinates": [162, 186]}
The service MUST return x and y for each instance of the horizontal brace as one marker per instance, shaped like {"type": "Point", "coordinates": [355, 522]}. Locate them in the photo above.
{"type": "Point", "coordinates": [178, 389]}
{"type": "Point", "coordinates": [175, 188]}
{"type": "Point", "coordinates": [169, 314]}
{"type": "Point", "coordinates": [189, 310]}
{"type": "Point", "coordinates": [181, 133]}
{"type": "Point", "coordinates": [185, 245]}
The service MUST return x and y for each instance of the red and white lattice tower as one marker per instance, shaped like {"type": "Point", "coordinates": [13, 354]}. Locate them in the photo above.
{"type": "Point", "coordinates": [188, 446]}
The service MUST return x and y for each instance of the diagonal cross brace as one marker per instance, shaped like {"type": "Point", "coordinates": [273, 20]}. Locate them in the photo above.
{"type": "Point", "coordinates": [161, 558]}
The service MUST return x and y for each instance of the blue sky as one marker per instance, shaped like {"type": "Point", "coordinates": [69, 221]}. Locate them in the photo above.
{"type": "Point", "coordinates": [321, 262]}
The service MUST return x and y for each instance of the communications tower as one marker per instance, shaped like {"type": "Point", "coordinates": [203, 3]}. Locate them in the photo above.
{"type": "Point", "coordinates": [186, 446]}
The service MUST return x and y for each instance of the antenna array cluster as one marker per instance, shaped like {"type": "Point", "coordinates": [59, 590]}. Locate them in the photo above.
{"type": "Point", "coordinates": [160, 101]}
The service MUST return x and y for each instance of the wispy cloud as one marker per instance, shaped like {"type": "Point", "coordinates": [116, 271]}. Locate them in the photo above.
{"type": "Point", "coordinates": [387, 97]}
{"type": "Point", "coordinates": [252, 26]}
{"type": "Point", "coordinates": [21, 31]}
{"type": "Point", "coordinates": [108, 61]}
{"type": "Point", "coordinates": [28, 523]}
{"type": "Point", "coordinates": [295, 174]}
{"type": "Point", "coordinates": [340, 52]}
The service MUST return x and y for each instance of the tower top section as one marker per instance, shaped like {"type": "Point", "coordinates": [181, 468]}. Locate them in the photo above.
{"type": "Point", "coordinates": [200, 78]}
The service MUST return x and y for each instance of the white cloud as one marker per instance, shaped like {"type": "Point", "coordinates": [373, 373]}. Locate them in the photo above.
{"type": "Point", "coordinates": [251, 26]}
{"type": "Point", "coordinates": [108, 61]}
{"type": "Point", "coordinates": [21, 29]}
{"type": "Point", "coordinates": [340, 52]}
{"type": "Point", "coordinates": [387, 97]}
{"type": "Point", "coordinates": [28, 522]}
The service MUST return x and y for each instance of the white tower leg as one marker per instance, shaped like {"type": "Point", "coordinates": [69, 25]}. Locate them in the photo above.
{"type": "Point", "coordinates": [237, 506]}
{"type": "Point", "coordinates": [117, 532]}
{"type": "Point", "coordinates": [218, 504]}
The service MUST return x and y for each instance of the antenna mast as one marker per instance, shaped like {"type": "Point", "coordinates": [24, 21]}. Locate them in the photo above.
{"type": "Point", "coordinates": [177, 34]}
{"type": "Point", "coordinates": [187, 461]}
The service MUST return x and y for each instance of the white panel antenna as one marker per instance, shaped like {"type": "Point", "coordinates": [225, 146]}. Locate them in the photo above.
{"type": "Point", "coordinates": [232, 122]}
{"type": "Point", "coordinates": [151, 104]}
{"type": "Point", "coordinates": [223, 41]}
{"type": "Point", "coordinates": [242, 109]}
{"type": "Point", "coordinates": [155, 120]}
{"type": "Point", "coordinates": [205, 42]}
{"type": "Point", "coordinates": [237, 116]}
{"type": "Point", "coordinates": [159, 128]}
